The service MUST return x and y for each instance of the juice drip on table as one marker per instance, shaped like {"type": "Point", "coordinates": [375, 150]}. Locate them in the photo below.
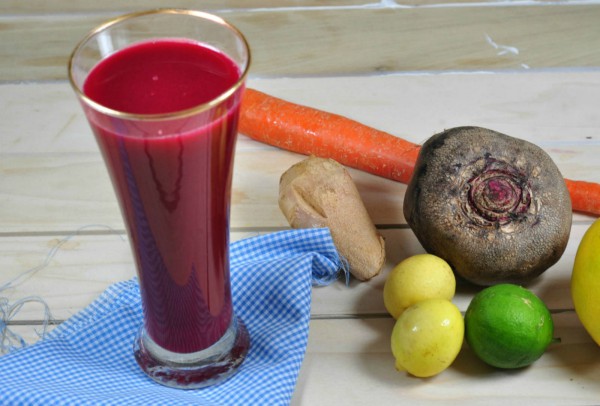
{"type": "Point", "coordinates": [173, 178]}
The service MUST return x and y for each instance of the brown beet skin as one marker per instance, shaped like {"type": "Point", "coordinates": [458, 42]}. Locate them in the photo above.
{"type": "Point", "coordinates": [495, 207]}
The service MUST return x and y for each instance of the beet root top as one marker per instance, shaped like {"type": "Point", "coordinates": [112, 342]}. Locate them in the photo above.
{"type": "Point", "coordinates": [495, 207]}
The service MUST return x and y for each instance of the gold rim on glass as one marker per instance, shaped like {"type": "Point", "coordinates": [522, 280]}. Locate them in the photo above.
{"type": "Point", "coordinates": [161, 116]}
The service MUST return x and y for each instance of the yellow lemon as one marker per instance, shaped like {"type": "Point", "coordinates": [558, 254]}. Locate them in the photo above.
{"type": "Point", "coordinates": [427, 337]}
{"type": "Point", "coordinates": [585, 281]}
{"type": "Point", "coordinates": [417, 278]}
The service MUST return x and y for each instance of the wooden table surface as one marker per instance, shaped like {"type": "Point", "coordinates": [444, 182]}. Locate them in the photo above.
{"type": "Point", "coordinates": [412, 68]}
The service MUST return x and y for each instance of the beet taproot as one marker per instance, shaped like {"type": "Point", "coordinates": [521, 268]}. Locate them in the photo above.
{"type": "Point", "coordinates": [495, 207]}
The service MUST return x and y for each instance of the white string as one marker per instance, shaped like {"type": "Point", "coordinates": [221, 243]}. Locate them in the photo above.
{"type": "Point", "coordinates": [9, 340]}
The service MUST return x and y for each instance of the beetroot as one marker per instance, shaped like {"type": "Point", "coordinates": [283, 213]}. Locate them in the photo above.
{"type": "Point", "coordinates": [493, 206]}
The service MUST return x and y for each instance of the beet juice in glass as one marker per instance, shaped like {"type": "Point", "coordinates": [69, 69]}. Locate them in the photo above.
{"type": "Point", "coordinates": [161, 91]}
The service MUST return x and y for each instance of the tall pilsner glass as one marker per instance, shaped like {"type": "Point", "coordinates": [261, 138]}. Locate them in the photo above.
{"type": "Point", "coordinates": [161, 91]}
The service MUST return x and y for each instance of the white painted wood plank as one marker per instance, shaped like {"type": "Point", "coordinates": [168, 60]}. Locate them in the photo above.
{"type": "Point", "coordinates": [49, 160]}
{"type": "Point", "coordinates": [84, 265]}
{"type": "Point", "coordinates": [342, 41]}
{"type": "Point", "coordinates": [35, 192]}
{"type": "Point", "coordinates": [349, 362]}
{"type": "Point", "coordinates": [67, 271]}
{"type": "Point", "coordinates": [360, 298]}
{"type": "Point", "coordinates": [16, 7]}
{"type": "Point", "coordinates": [549, 108]}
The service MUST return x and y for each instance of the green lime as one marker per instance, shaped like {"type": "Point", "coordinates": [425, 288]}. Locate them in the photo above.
{"type": "Point", "coordinates": [507, 326]}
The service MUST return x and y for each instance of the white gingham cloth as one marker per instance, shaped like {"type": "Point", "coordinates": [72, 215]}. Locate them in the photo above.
{"type": "Point", "coordinates": [88, 360]}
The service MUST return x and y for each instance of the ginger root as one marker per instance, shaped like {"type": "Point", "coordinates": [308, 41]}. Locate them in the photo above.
{"type": "Point", "coordinates": [318, 192]}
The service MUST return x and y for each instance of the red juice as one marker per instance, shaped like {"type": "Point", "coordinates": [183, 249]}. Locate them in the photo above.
{"type": "Point", "coordinates": [172, 178]}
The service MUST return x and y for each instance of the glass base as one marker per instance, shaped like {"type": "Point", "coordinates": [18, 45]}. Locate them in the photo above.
{"type": "Point", "coordinates": [195, 370]}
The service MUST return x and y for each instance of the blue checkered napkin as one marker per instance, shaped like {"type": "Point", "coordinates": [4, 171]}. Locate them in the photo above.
{"type": "Point", "coordinates": [88, 360]}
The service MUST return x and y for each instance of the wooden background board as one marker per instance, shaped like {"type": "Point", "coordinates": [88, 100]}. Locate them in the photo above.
{"type": "Point", "coordinates": [342, 40]}
{"type": "Point", "coordinates": [412, 68]}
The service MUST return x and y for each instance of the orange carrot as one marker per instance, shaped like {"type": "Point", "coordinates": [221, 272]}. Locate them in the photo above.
{"type": "Point", "coordinates": [585, 196]}
{"type": "Point", "coordinates": [309, 131]}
